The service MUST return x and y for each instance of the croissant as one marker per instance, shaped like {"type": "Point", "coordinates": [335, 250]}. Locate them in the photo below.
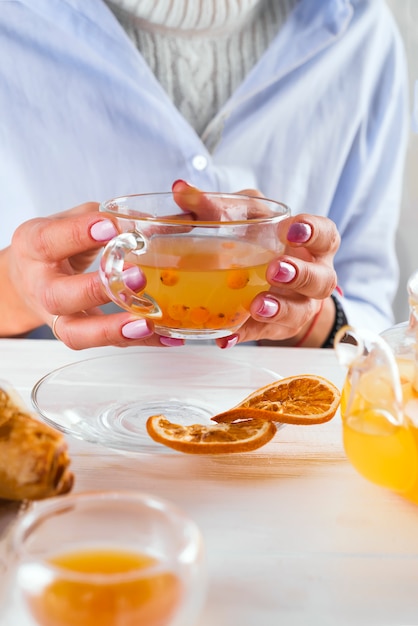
{"type": "Point", "coordinates": [34, 460]}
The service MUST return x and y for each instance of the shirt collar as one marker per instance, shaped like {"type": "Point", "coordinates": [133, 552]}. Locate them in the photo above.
{"type": "Point", "coordinates": [312, 26]}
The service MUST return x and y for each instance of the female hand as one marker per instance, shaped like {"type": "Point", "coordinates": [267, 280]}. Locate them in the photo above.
{"type": "Point", "coordinates": [297, 310]}
{"type": "Point", "coordinates": [302, 280]}
{"type": "Point", "coordinates": [43, 275]}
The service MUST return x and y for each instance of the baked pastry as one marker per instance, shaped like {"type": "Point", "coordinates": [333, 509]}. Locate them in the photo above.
{"type": "Point", "coordinates": [34, 459]}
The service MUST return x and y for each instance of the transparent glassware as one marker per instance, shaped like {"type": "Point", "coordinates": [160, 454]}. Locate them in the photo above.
{"type": "Point", "coordinates": [380, 438]}
{"type": "Point", "coordinates": [203, 257]}
{"type": "Point", "coordinates": [108, 558]}
{"type": "Point", "coordinates": [108, 399]}
{"type": "Point", "coordinates": [402, 338]}
{"type": "Point", "coordinates": [379, 408]}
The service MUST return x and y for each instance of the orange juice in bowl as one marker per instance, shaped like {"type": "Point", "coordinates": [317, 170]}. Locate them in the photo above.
{"type": "Point", "coordinates": [108, 558]}
{"type": "Point", "coordinates": [106, 587]}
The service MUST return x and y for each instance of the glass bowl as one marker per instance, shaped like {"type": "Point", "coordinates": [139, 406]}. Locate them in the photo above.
{"type": "Point", "coordinates": [107, 400]}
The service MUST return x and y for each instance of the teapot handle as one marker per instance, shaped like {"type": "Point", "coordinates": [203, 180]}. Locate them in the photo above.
{"type": "Point", "coordinates": [361, 351]}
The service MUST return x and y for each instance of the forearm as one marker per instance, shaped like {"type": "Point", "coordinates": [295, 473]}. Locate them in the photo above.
{"type": "Point", "coordinates": [15, 317]}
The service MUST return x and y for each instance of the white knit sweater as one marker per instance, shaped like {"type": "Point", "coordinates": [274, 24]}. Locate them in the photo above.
{"type": "Point", "coordinates": [201, 50]}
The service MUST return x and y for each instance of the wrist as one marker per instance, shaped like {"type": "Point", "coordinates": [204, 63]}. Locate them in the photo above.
{"type": "Point", "coordinates": [316, 331]}
{"type": "Point", "coordinates": [340, 320]}
{"type": "Point", "coordinates": [15, 317]}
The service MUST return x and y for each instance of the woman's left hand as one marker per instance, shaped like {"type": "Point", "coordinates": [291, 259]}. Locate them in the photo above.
{"type": "Point", "coordinates": [302, 280]}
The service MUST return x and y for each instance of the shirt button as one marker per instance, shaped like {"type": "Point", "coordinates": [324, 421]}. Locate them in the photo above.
{"type": "Point", "coordinates": [199, 162]}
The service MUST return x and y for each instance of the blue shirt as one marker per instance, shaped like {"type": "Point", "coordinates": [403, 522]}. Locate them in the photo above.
{"type": "Point", "coordinates": [320, 123]}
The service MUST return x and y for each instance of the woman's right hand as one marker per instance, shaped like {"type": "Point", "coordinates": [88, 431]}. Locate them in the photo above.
{"type": "Point", "coordinates": [43, 275]}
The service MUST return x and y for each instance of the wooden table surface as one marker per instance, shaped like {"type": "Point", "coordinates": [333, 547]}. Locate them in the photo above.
{"type": "Point", "coordinates": [294, 536]}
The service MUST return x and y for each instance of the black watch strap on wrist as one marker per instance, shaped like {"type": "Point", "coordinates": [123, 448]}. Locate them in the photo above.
{"type": "Point", "coordinates": [339, 322]}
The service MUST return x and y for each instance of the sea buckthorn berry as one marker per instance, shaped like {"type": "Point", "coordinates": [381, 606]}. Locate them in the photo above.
{"type": "Point", "coordinates": [178, 312]}
{"type": "Point", "coordinates": [237, 278]}
{"type": "Point", "coordinates": [169, 277]}
{"type": "Point", "coordinates": [216, 320]}
{"type": "Point", "coordinates": [199, 315]}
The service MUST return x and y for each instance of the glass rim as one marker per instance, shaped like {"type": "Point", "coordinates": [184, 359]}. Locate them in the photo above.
{"type": "Point", "coordinates": [105, 207]}
{"type": "Point", "coordinates": [45, 509]}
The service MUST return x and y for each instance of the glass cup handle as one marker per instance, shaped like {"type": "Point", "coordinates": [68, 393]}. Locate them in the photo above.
{"type": "Point", "coordinates": [111, 270]}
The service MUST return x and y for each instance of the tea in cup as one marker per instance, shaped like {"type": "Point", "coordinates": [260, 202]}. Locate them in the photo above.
{"type": "Point", "coordinates": [108, 558]}
{"type": "Point", "coordinates": [204, 257]}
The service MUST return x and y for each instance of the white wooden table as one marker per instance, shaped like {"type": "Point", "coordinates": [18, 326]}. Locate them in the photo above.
{"type": "Point", "coordinates": [293, 537]}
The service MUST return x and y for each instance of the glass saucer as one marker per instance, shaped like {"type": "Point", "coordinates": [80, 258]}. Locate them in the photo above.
{"type": "Point", "coordinates": [107, 400]}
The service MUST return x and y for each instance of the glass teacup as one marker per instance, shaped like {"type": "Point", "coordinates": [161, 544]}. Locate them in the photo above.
{"type": "Point", "coordinates": [204, 257]}
{"type": "Point", "coordinates": [108, 558]}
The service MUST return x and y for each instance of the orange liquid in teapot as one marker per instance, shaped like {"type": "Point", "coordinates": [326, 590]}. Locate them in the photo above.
{"type": "Point", "coordinates": [379, 449]}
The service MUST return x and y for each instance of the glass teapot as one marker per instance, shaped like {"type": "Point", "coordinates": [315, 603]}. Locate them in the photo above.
{"type": "Point", "coordinates": [379, 402]}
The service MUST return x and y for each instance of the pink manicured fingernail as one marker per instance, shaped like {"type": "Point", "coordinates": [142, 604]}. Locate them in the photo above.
{"type": "Point", "coordinates": [133, 278]}
{"type": "Point", "coordinates": [103, 231]}
{"type": "Point", "coordinates": [229, 342]}
{"type": "Point", "coordinates": [299, 232]}
{"type": "Point", "coordinates": [269, 308]}
{"type": "Point", "coordinates": [171, 341]}
{"type": "Point", "coordinates": [137, 329]}
{"type": "Point", "coordinates": [180, 181]}
{"type": "Point", "coordinates": [285, 273]}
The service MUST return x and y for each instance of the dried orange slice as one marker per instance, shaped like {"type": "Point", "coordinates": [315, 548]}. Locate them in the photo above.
{"type": "Point", "coordinates": [244, 436]}
{"type": "Point", "coordinates": [304, 399]}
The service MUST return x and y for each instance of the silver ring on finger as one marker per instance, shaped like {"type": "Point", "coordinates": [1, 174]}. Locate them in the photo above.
{"type": "Point", "coordinates": [54, 327]}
